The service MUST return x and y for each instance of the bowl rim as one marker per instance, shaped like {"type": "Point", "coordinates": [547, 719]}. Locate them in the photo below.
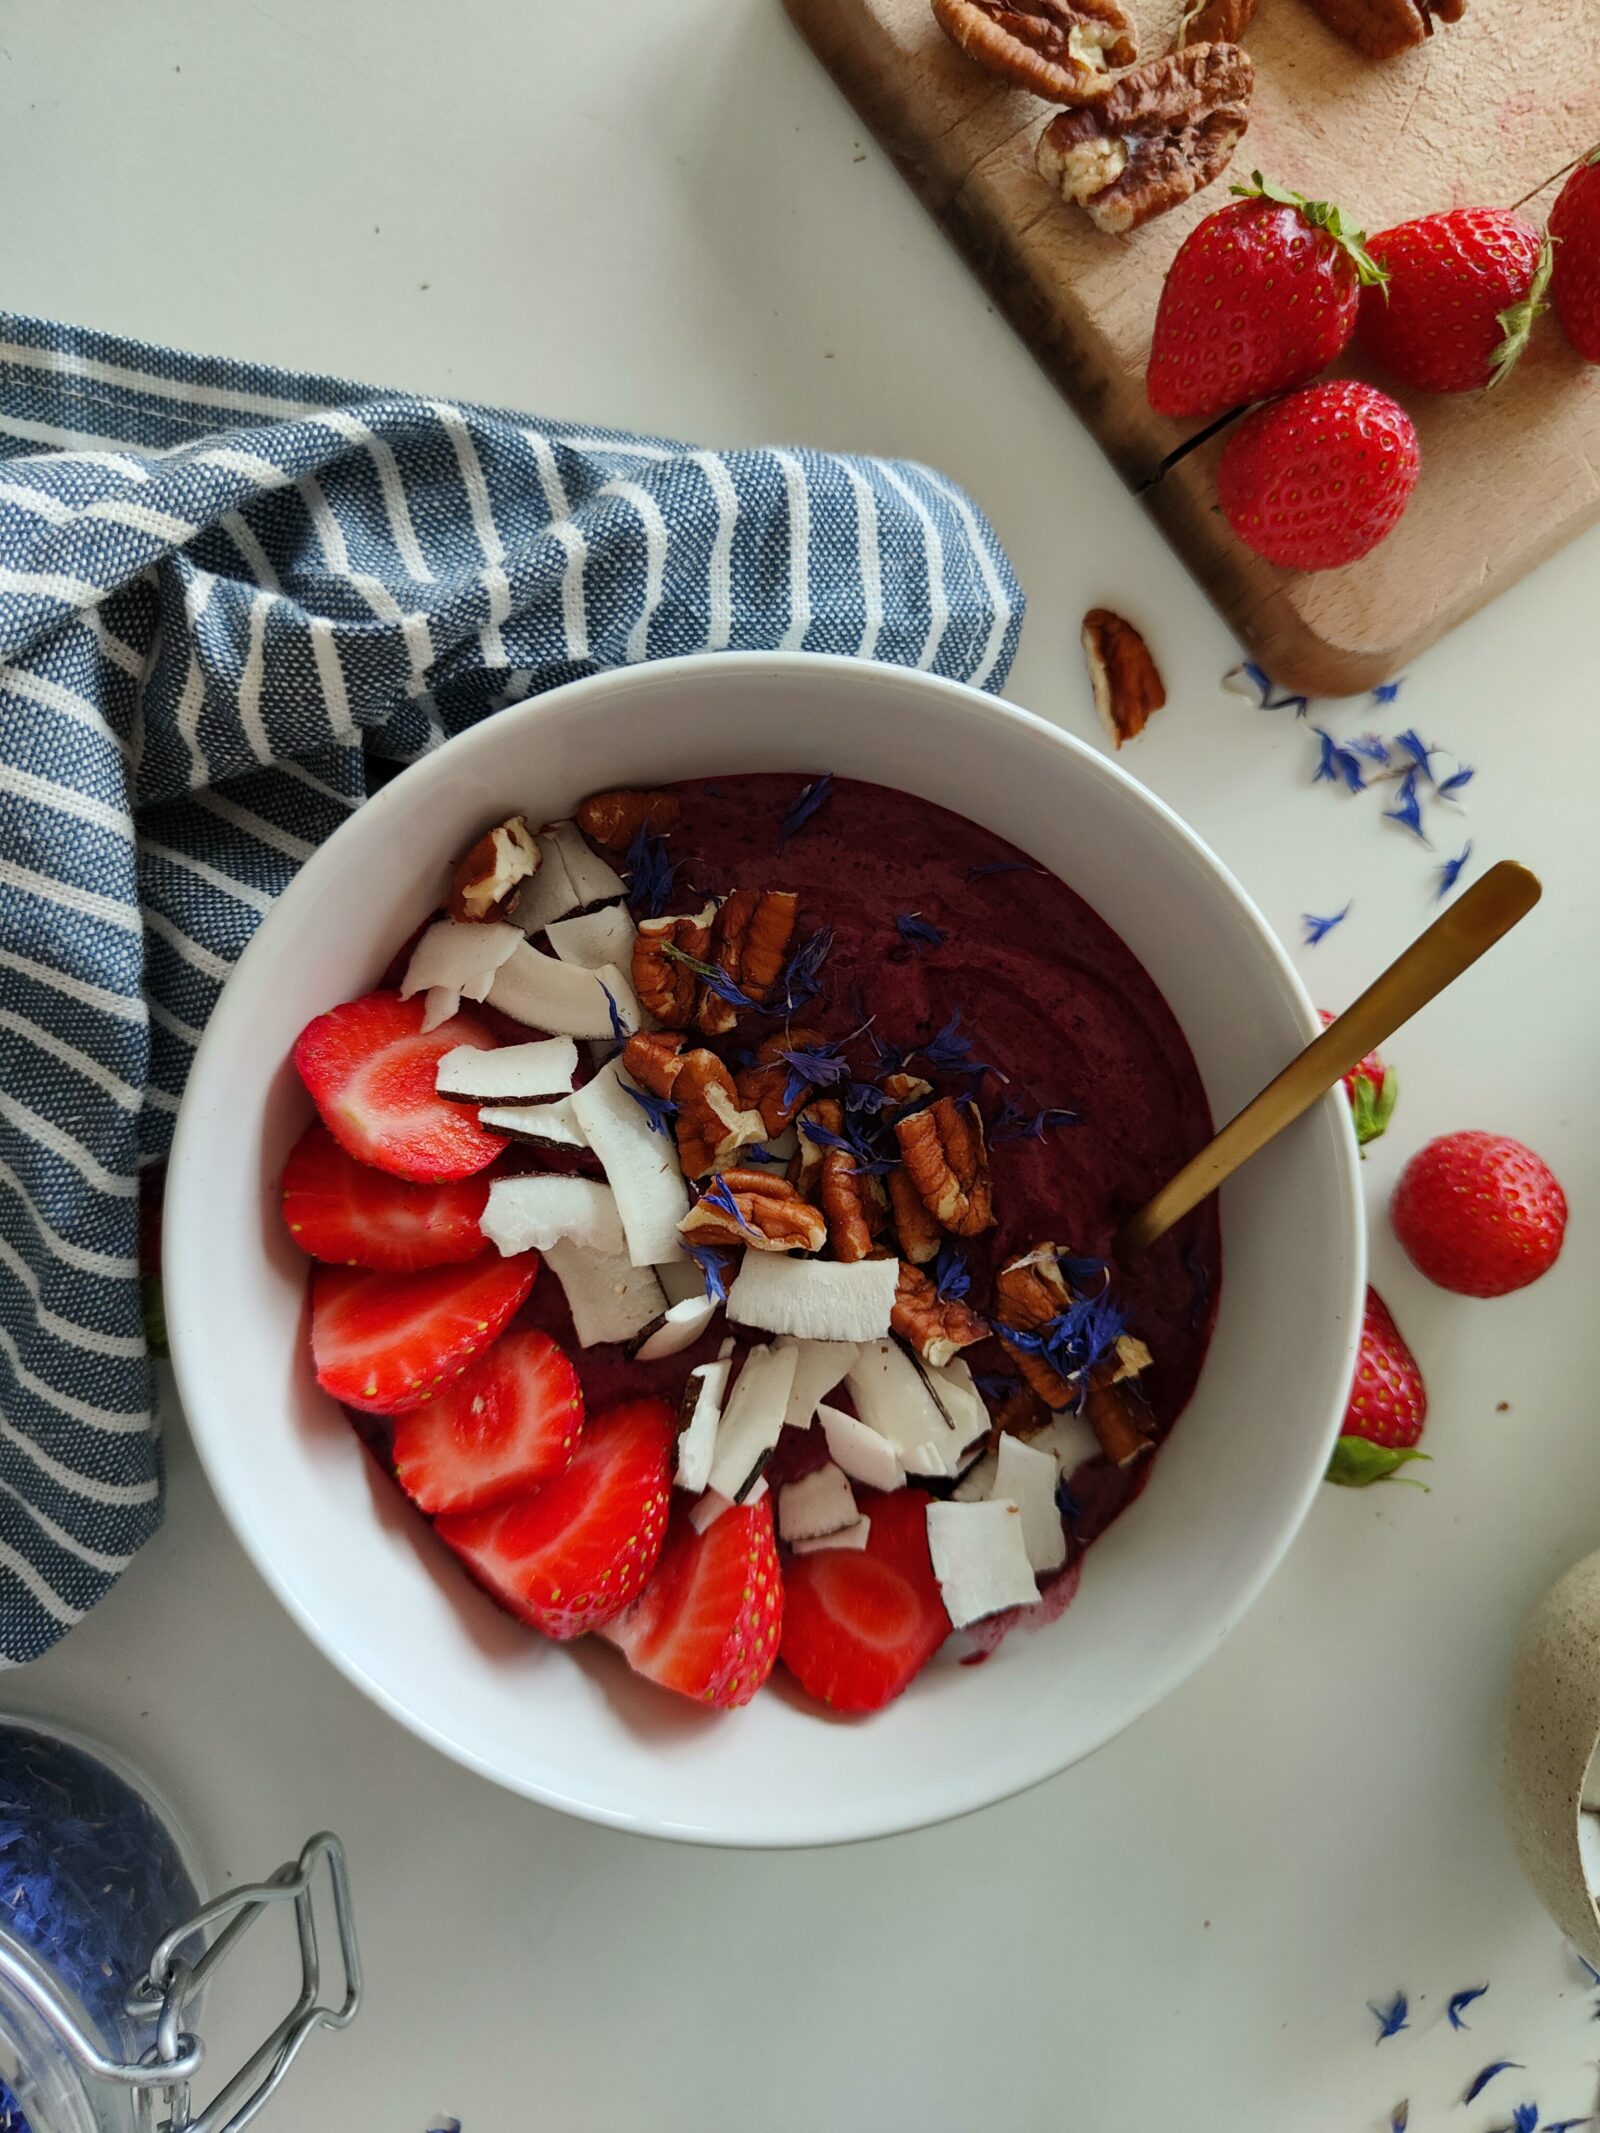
{"type": "Point", "coordinates": [185, 1207]}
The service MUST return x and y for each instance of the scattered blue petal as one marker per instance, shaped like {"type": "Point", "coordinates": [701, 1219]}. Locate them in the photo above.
{"type": "Point", "coordinates": [1479, 2082]}
{"type": "Point", "coordinates": [1409, 811]}
{"type": "Point", "coordinates": [994, 1386]}
{"type": "Point", "coordinates": [1336, 763]}
{"type": "Point", "coordinates": [710, 1263]}
{"type": "Point", "coordinates": [1386, 692]}
{"type": "Point", "coordinates": [913, 927]}
{"type": "Point", "coordinates": [1076, 1339]}
{"type": "Point", "coordinates": [1450, 872]}
{"type": "Point", "coordinates": [1400, 2117]}
{"type": "Point", "coordinates": [1318, 929]}
{"type": "Point", "coordinates": [1391, 2019]}
{"type": "Point", "coordinates": [1015, 1122]}
{"type": "Point", "coordinates": [814, 1066]}
{"type": "Point", "coordinates": [1371, 746]}
{"type": "Point", "coordinates": [649, 873]}
{"type": "Point", "coordinates": [1565, 2125]}
{"type": "Point", "coordinates": [1459, 2000]}
{"type": "Point", "coordinates": [720, 1197]}
{"type": "Point", "coordinates": [952, 1277]}
{"type": "Point", "coordinates": [800, 813]}
{"type": "Point", "coordinates": [1265, 687]}
{"type": "Point", "coordinates": [714, 979]}
{"type": "Point", "coordinates": [1412, 743]}
{"type": "Point", "coordinates": [824, 1137]}
{"type": "Point", "coordinates": [1003, 866]}
{"type": "Point", "coordinates": [1524, 2118]}
{"type": "Point", "coordinates": [1594, 1975]}
{"type": "Point", "coordinates": [1447, 791]}
{"type": "Point", "coordinates": [760, 1155]}
{"type": "Point", "coordinates": [660, 1110]}
{"type": "Point", "coordinates": [619, 1029]}
{"type": "Point", "coordinates": [950, 1052]}
{"type": "Point", "coordinates": [800, 975]}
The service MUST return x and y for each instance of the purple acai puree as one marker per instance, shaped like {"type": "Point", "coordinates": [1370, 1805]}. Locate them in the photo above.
{"type": "Point", "coordinates": [1046, 994]}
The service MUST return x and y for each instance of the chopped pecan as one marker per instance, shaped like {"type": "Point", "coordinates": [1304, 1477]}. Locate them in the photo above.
{"type": "Point", "coordinates": [651, 1057]}
{"type": "Point", "coordinates": [937, 1327]}
{"type": "Point", "coordinates": [1029, 1293]}
{"type": "Point", "coordinates": [853, 1202]}
{"type": "Point", "coordinates": [771, 1216]}
{"type": "Point", "coordinates": [614, 819]}
{"type": "Point", "coordinates": [1133, 1358]}
{"type": "Point", "coordinates": [1120, 1419]}
{"type": "Point", "coordinates": [1020, 1414]}
{"type": "Point", "coordinates": [943, 1150]}
{"type": "Point", "coordinates": [766, 1087]}
{"type": "Point", "coordinates": [1060, 49]}
{"type": "Point", "coordinates": [1127, 686]}
{"type": "Point", "coordinates": [905, 1088]}
{"type": "Point", "coordinates": [666, 987]}
{"type": "Point", "coordinates": [710, 1124]}
{"type": "Point", "coordinates": [1157, 136]}
{"type": "Point", "coordinates": [749, 941]}
{"type": "Point", "coordinates": [1216, 22]}
{"type": "Point", "coordinates": [488, 880]}
{"type": "Point", "coordinates": [1383, 29]}
{"type": "Point", "coordinates": [920, 1235]}
{"type": "Point", "coordinates": [805, 1171]}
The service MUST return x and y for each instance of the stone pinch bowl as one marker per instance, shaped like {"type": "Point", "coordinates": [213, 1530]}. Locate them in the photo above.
{"type": "Point", "coordinates": [1551, 1774]}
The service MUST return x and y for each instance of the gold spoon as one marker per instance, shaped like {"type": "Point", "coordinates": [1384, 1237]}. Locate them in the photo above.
{"type": "Point", "coordinates": [1452, 944]}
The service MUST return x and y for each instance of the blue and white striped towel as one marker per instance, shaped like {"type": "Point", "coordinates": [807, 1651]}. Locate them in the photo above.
{"type": "Point", "coordinates": [224, 589]}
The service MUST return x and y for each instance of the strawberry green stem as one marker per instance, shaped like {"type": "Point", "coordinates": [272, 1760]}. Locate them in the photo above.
{"type": "Point", "coordinates": [1322, 215]}
{"type": "Point", "coordinates": [1516, 321]}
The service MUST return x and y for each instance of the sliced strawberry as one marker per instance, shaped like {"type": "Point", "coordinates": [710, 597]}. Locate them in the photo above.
{"type": "Point", "coordinates": [577, 1551]}
{"type": "Point", "coordinates": [387, 1342]}
{"type": "Point", "coordinates": [858, 1626]}
{"type": "Point", "coordinates": [707, 1623]}
{"type": "Point", "coordinates": [509, 1425]}
{"type": "Point", "coordinates": [352, 1215]}
{"type": "Point", "coordinates": [371, 1072]}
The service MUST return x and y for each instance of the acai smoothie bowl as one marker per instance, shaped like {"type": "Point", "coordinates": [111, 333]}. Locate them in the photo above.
{"type": "Point", "coordinates": [640, 1250]}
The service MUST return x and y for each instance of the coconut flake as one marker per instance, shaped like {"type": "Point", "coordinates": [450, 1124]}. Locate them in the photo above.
{"type": "Point", "coordinates": [814, 1299]}
{"type": "Point", "coordinates": [462, 959]}
{"type": "Point", "coordinates": [681, 1326]}
{"type": "Point", "coordinates": [546, 994]}
{"type": "Point", "coordinates": [855, 1536]}
{"type": "Point", "coordinates": [531, 1214]}
{"type": "Point", "coordinates": [752, 1421]}
{"type": "Point", "coordinates": [708, 1510]}
{"type": "Point", "coordinates": [861, 1453]}
{"type": "Point", "coordinates": [819, 1366]}
{"type": "Point", "coordinates": [1028, 1477]}
{"type": "Point", "coordinates": [702, 1403]}
{"type": "Point", "coordinates": [892, 1395]}
{"type": "Point", "coordinates": [549, 895]}
{"type": "Point", "coordinates": [544, 1125]}
{"type": "Point", "coordinates": [596, 938]}
{"type": "Point", "coordinates": [979, 1559]}
{"type": "Point", "coordinates": [1068, 1439]}
{"type": "Point", "coordinates": [593, 879]}
{"type": "Point", "coordinates": [641, 1166]}
{"type": "Point", "coordinates": [821, 1502]}
{"type": "Point", "coordinates": [681, 1279]}
{"type": "Point", "coordinates": [958, 1399]}
{"type": "Point", "coordinates": [609, 1297]}
{"type": "Point", "coordinates": [508, 1073]}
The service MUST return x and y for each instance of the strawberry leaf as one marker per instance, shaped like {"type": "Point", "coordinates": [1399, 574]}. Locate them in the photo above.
{"type": "Point", "coordinates": [1373, 1104]}
{"type": "Point", "coordinates": [1322, 215]}
{"type": "Point", "coordinates": [1356, 1463]}
{"type": "Point", "coordinates": [1516, 321]}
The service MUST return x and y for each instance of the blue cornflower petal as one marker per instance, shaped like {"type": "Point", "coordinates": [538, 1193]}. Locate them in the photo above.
{"type": "Point", "coordinates": [994, 1386]}
{"type": "Point", "coordinates": [1408, 812]}
{"type": "Point", "coordinates": [913, 927]}
{"type": "Point", "coordinates": [1386, 692]}
{"type": "Point", "coordinates": [710, 1264]}
{"type": "Point", "coordinates": [1450, 872]}
{"type": "Point", "coordinates": [800, 974]}
{"type": "Point", "coordinates": [1565, 2125]}
{"type": "Point", "coordinates": [619, 1028]}
{"type": "Point", "coordinates": [1015, 1122]}
{"type": "Point", "coordinates": [1447, 790]}
{"type": "Point", "coordinates": [711, 975]}
{"type": "Point", "coordinates": [1318, 929]}
{"type": "Point", "coordinates": [950, 1052]}
{"type": "Point", "coordinates": [1459, 2000]}
{"type": "Point", "coordinates": [952, 1277]}
{"type": "Point", "coordinates": [1480, 2081]}
{"type": "Point", "coordinates": [660, 1110]}
{"type": "Point", "coordinates": [1524, 2118]}
{"type": "Point", "coordinates": [1265, 688]}
{"type": "Point", "coordinates": [1400, 2117]}
{"type": "Point", "coordinates": [803, 808]}
{"type": "Point", "coordinates": [1594, 1975]}
{"type": "Point", "coordinates": [1336, 762]}
{"type": "Point", "coordinates": [1391, 2019]}
{"type": "Point", "coordinates": [649, 873]}
{"type": "Point", "coordinates": [1412, 743]}
{"type": "Point", "coordinates": [1371, 746]}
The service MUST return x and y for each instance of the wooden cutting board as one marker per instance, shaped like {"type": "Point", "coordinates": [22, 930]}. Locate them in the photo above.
{"type": "Point", "coordinates": [1492, 109]}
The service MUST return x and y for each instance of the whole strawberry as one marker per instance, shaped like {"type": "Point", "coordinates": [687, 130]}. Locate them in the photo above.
{"type": "Point", "coordinates": [1479, 1214]}
{"type": "Point", "coordinates": [1373, 1089]}
{"type": "Point", "coordinates": [1262, 295]}
{"type": "Point", "coordinates": [1388, 1405]}
{"type": "Point", "coordinates": [1575, 277]}
{"type": "Point", "coordinates": [1319, 477]}
{"type": "Point", "coordinates": [1463, 291]}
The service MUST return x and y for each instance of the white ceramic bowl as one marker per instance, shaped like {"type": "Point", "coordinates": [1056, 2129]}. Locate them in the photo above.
{"type": "Point", "coordinates": [567, 1725]}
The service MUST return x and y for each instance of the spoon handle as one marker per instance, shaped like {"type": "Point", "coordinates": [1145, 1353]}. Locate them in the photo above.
{"type": "Point", "coordinates": [1452, 944]}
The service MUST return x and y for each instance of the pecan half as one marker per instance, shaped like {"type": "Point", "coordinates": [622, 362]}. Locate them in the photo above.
{"type": "Point", "coordinates": [1060, 49]}
{"type": "Point", "coordinates": [943, 1149]}
{"type": "Point", "coordinates": [651, 1057]}
{"type": "Point", "coordinates": [766, 1086]}
{"type": "Point", "coordinates": [1216, 22]}
{"type": "Point", "coordinates": [1120, 1419]}
{"type": "Point", "coordinates": [920, 1235]}
{"type": "Point", "coordinates": [1127, 684]}
{"type": "Point", "coordinates": [1157, 136]}
{"type": "Point", "coordinates": [771, 1217]}
{"type": "Point", "coordinates": [711, 1125]}
{"type": "Point", "coordinates": [1029, 1293]}
{"type": "Point", "coordinates": [1383, 29]}
{"type": "Point", "coordinates": [488, 880]}
{"type": "Point", "coordinates": [854, 1203]}
{"type": "Point", "coordinates": [749, 940]}
{"type": "Point", "coordinates": [937, 1327]}
{"type": "Point", "coordinates": [667, 988]}
{"type": "Point", "coordinates": [614, 819]}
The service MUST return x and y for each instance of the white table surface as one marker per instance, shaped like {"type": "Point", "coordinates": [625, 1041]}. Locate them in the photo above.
{"type": "Point", "coordinates": [664, 215]}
